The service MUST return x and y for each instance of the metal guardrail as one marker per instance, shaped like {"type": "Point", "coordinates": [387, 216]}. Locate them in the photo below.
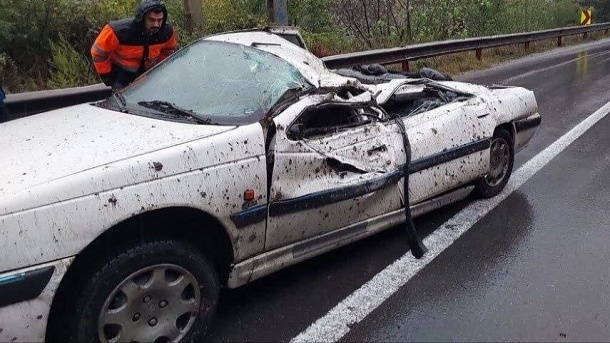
{"type": "Point", "coordinates": [425, 50]}
{"type": "Point", "coordinates": [24, 104]}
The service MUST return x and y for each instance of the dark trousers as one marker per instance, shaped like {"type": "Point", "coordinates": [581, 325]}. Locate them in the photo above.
{"type": "Point", "coordinates": [3, 112]}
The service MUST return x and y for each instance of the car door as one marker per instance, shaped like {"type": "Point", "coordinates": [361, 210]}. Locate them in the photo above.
{"type": "Point", "coordinates": [449, 144]}
{"type": "Point", "coordinates": [334, 166]}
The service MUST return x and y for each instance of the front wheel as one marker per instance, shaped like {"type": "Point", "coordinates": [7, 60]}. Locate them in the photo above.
{"type": "Point", "coordinates": [162, 291]}
{"type": "Point", "coordinates": [502, 159]}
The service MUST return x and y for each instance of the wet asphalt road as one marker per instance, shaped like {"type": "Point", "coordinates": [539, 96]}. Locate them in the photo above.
{"type": "Point", "coordinates": [536, 268]}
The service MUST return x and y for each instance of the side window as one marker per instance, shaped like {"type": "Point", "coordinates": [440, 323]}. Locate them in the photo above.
{"type": "Point", "coordinates": [415, 101]}
{"type": "Point", "coordinates": [326, 119]}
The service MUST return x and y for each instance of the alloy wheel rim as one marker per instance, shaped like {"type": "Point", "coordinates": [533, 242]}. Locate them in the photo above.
{"type": "Point", "coordinates": [499, 162]}
{"type": "Point", "coordinates": [158, 303]}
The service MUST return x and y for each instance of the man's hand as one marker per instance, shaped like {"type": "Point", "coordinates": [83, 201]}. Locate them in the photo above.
{"type": "Point", "coordinates": [109, 79]}
{"type": "Point", "coordinates": [117, 86]}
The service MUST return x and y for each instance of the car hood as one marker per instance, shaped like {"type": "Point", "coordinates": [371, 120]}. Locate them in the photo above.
{"type": "Point", "coordinates": [40, 149]}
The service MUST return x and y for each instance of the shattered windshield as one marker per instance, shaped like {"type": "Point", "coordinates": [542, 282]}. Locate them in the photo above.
{"type": "Point", "coordinates": [214, 83]}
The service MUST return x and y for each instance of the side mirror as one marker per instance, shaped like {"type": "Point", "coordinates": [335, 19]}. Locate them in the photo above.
{"type": "Point", "coordinates": [296, 131]}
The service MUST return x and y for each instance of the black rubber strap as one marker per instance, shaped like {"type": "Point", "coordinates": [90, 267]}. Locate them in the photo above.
{"type": "Point", "coordinates": [418, 249]}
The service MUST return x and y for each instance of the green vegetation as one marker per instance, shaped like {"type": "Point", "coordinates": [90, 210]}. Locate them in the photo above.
{"type": "Point", "coordinates": [45, 43]}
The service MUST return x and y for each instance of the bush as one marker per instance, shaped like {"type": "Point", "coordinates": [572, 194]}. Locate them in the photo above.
{"type": "Point", "coordinates": [70, 68]}
{"type": "Point", "coordinates": [228, 15]}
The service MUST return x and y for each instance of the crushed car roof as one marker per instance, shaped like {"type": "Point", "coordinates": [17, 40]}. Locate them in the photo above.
{"type": "Point", "coordinates": [311, 67]}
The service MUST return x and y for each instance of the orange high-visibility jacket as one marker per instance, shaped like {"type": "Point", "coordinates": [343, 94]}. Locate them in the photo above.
{"type": "Point", "coordinates": [122, 52]}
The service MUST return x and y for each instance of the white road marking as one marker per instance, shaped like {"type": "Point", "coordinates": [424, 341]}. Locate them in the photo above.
{"type": "Point", "coordinates": [353, 309]}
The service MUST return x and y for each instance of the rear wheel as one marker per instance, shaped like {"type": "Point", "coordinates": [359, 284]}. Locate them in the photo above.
{"type": "Point", "coordinates": [162, 291]}
{"type": "Point", "coordinates": [502, 159]}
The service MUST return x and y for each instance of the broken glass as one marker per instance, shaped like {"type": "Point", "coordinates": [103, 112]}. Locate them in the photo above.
{"type": "Point", "coordinates": [224, 82]}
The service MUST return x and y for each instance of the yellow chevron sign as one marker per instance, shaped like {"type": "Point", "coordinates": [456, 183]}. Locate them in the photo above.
{"type": "Point", "coordinates": [585, 17]}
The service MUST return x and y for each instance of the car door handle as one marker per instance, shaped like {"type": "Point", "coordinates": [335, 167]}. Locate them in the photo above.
{"type": "Point", "coordinates": [381, 148]}
{"type": "Point", "coordinates": [482, 115]}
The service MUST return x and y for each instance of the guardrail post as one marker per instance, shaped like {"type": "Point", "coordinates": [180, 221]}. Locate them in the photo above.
{"type": "Point", "coordinates": [606, 31]}
{"type": "Point", "coordinates": [527, 45]}
{"type": "Point", "coordinates": [559, 43]}
{"type": "Point", "coordinates": [405, 65]}
{"type": "Point", "coordinates": [585, 35]}
{"type": "Point", "coordinates": [479, 53]}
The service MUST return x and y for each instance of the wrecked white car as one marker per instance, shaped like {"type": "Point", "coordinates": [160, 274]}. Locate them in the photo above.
{"type": "Point", "coordinates": [238, 156]}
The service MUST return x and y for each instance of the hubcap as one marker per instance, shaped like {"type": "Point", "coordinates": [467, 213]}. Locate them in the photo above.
{"type": "Point", "coordinates": [155, 304]}
{"type": "Point", "coordinates": [499, 162]}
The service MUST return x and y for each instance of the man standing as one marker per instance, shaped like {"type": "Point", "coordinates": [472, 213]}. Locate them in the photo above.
{"type": "Point", "coordinates": [126, 48]}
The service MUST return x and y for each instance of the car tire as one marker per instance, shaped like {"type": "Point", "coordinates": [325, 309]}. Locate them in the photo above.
{"type": "Point", "coordinates": [502, 159]}
{"type": "Point", "coordinates": [157, 291]}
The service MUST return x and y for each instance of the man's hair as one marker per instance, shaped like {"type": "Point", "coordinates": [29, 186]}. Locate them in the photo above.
{"type": "Point", "coordinates": [156, 10]}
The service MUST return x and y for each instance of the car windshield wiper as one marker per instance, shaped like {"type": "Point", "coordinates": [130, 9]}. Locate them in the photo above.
{"type": "Point", "coordinates": [171, 109]}
{"type": "Point", "coordinates": [120, 100]}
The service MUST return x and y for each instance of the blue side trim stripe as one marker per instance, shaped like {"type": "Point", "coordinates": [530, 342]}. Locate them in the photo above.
{"type": "Point", "coordinates": [334, 195]}
{"type": "Point", "coordinates": [250, 216]}
{"type": "Point", "coordinates": [24, 286]}
{"type": "Point", "coordinates": [258, 214]}
{"type": "Point", "coordinates": [448, 155]}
